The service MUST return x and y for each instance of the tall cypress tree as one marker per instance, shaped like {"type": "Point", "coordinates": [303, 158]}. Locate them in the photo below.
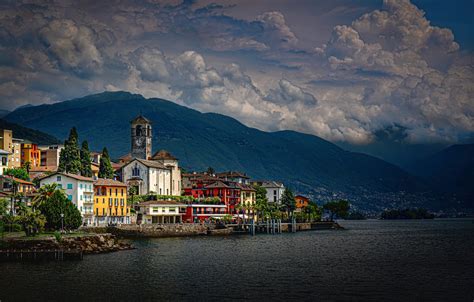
{"type": "Point", "coordinates": [288, 201]}
{"type": "Point", "coordinates": [70, 157]}
{"type": "Point", "coordinates": [105, 167]}
{"type": "Point", "coordinates": [86, 161]}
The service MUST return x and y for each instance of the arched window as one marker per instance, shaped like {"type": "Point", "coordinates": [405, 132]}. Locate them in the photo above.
{"type": "Point", "coordinates": [138, 130]}
{"type": "Point", "coordinates": [136, 171]}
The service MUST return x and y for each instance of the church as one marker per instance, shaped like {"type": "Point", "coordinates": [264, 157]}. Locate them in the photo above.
{"type": "Point", "coordinates": [158, 173]}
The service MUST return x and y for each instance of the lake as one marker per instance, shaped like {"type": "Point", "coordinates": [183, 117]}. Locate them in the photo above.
{"type": "Point", "coordinates": [370, 261]}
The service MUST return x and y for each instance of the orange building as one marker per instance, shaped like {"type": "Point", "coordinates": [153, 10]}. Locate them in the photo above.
{"type": "Point", "coordinates": [30, 153]}
{"type": "Point", "coordinates": [301, 202]}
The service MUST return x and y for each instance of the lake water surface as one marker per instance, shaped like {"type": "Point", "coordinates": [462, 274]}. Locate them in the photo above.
{"type": "Point", "coordinates": [430, 260]}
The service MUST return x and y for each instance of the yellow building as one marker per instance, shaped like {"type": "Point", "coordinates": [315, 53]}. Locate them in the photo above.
{"type": "Point", "coordinates": [110, 202]}
{"type": "Point", "coordinates": [248, 199]}
{"type": "Point", "coordinates": [11, 145]}
{"type": "Point", "coordinates": [30, 153]}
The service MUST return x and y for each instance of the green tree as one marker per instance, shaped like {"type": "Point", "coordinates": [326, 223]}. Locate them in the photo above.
{"type": "Point", "coordinates": [86, 169]}
{"type": "Point", "coordinates": [27, 167]}
{"type": "Point", "coordinates": [339, 208]}
{"type": "Point", "coordinates": [288, 201]}
{"type": "Point", "coordinates": [261, 202]}
{"type": "Point", "coordinates": [33, 222]}
{"type": "Point", "coordinates": [210, 170]}
{"type": "Point", "coordinates": [313, 212]}
{"type": "Point", "coordinates": [20, 173]}
{"type": "Point", "coordinates": [56, 205]}
{"type": "Point", "coordinates": [3, 207]}
{"type": "Point", "coordinates": [70, 157]}
{"type": "Point", "coordinates": [105, 167]}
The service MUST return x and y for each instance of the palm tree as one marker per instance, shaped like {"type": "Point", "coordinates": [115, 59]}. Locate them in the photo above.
{"type": "Point", "coordinates": [44, 193]}
{"type": "Point", "coordinates": [32, 222]}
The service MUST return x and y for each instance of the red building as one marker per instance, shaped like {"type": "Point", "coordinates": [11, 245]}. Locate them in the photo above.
{"type": "Point", "coordinates": [228, 192]}
{"type": "Point", "coordinates": [201, 212]}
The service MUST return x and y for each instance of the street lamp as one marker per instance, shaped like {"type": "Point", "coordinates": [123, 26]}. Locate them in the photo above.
{"type": "Point", "coordinates": [62, 222]}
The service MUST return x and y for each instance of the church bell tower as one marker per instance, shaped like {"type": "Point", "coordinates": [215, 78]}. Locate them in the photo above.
{"type": "Point", "coordinates": [141, 138]}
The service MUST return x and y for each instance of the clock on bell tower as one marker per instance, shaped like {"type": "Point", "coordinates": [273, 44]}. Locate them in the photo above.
{"type": "Point", "coordinates": [141, 137]}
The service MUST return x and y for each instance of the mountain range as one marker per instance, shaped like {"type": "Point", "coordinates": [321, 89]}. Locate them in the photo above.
{"type": "Point", "coordinates": [305, 162]}
{"type": "Point", "coordinates": [26, 133]}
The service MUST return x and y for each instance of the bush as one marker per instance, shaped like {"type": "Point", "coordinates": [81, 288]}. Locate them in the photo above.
{"type": "Point", "coordinates": [12, 227]}
{"type": "Point", "coordinates": [58, 236]}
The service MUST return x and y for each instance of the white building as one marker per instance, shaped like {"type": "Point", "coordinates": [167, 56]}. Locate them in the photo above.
{"type": "Point", "coordinates": [274, 190]}
{"type": "Point", "coordinates": [79, 190]}
{"type": "Point", "coordinates": [170, 162]}
{"type": "Point", "coordinates": [161, 211]}
{"type": "Point", "coordinates": [149, 176]}
{"type": "Point", "coordinates": [3, 160]}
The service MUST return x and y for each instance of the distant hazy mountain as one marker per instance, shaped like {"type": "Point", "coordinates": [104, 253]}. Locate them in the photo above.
{"type": "Point", "coordinates": [202, 140]}
{"type": "Point", "coordinates": [450, 171]}
{"type": "Point", "coordinates": [35, 136]}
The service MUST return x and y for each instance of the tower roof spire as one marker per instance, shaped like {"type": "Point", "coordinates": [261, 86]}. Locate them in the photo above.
{"type": "Point", "coordinates": [140, 119]}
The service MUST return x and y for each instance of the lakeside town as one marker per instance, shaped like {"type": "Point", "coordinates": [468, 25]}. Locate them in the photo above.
{"type": "Point", "coordinates": [139, 188]}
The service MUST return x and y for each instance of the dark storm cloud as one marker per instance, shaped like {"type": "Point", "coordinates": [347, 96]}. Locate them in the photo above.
{"type": "Point", "coordinates": [386, 68]}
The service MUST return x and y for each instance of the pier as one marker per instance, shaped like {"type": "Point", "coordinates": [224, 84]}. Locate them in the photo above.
{"type": "Point", "coordinates": [276, 226]}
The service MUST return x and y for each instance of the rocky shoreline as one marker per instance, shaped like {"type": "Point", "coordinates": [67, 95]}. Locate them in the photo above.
{"type": "Point", "coordinates": [86, 244]}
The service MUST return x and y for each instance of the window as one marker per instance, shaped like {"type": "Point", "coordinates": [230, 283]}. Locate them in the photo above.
{"type": "Point", "coordinates": [69, 186]}
{"type": "Point", "coordinates": [103, 200]}
{"type": "Point", "coordinates": [121, 192]}
{"type": "Point", "coordinates": [80, 186]}
{"type": "Point", "coordinates": [60, 186]}
{"type": "Point", "coordinates": [121, 202]}
{"type": "Point", "coordinates": [155, 209]}
{"type": "Point", "coordinates": [116, 201]}
{"type": "Point", "coordinates": [58, 178]}
{"type": "Point", "coordinates": [81, 196]}
{"type": "Point", "coordinates": [110, 192]}
{"type": "Point", "coordinates": [103, 211]}
{"type": "Point", "coordinates": [116, 191]}
{"type": "Point", "coordinates": [136, 171]}
{"type": "Point", "coordinates": [172, 210]}
{"type": "Point", "coordinates": [274, 198]}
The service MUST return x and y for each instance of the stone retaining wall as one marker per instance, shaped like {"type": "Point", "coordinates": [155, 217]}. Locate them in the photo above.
{"type": "Point", "coordinates": [158, 230]}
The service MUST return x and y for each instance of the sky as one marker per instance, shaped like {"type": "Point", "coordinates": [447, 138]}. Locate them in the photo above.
{"type": "Point", "coordinates": [342, 70]}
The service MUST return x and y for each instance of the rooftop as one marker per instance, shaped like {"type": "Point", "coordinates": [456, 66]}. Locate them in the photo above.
{"type": "Point", "coordinates": [109, 183]}
{"type": "Point", "coordinates": [161, 202]}
{"type": "Point", "coordinates": [18, 180]}
{"type": "Point", "coordinates": [151, 163]}
{"type": "Point", "coordinates": [140, 119]}
{"type": "Point", "coordinates": [163, 154]}
{"type": "Point", "coordinates": [75, 176]}
{"type": "Point", "coordinates": [232, 174]}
